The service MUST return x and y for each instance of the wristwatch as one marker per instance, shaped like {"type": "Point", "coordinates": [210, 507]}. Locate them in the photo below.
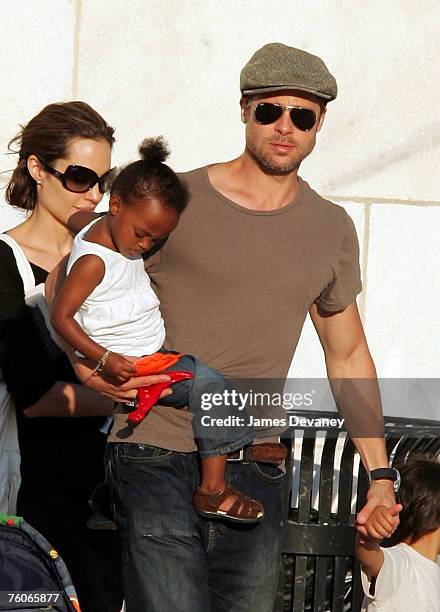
{"type": "Point", "coordinates": [385, 474]}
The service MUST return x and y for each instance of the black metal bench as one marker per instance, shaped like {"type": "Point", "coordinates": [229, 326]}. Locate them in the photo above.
{"type": "Point", "coordinates": [320, 573]}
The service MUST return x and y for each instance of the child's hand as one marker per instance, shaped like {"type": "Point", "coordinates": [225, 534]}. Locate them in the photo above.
{"type": "Point", "coordinates": [119, 367]}
{"type": "Point", "coordinates": [383, 521]}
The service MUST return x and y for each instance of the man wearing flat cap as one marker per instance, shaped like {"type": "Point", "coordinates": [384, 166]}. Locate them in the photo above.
{"type": "Point", "coordinates": [255, 251]}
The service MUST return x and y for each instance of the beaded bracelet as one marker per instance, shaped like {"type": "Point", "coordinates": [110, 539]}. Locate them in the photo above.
{"type": "Point", "coordinates": [100, 365]}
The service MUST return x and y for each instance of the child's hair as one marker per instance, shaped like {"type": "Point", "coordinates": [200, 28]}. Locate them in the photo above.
{"type": "Point", "coordinates": [149, 178]}
{"type": "Point", "coordinates": [419, 495]}
{"type": "Point", "coordinates": [48, 135]}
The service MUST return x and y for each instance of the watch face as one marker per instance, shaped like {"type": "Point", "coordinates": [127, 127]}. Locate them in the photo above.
{"type": "Point", "coordinates": [396, 484]}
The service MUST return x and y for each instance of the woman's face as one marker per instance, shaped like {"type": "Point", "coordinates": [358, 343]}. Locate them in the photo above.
{"type": "Point", "coordinates": [52, 197]}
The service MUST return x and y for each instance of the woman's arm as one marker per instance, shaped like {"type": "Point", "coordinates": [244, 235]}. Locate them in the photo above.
{"type": "Point", "coordinates": [28, 369]}
{"type": "Point", "coordinates": [70, 400]}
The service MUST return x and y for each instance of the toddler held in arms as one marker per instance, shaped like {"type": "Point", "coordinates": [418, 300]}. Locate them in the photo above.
{"type": "Point", "coordinates": [405, 576]}
{"type": "Point", "coordinates": [107, 311]}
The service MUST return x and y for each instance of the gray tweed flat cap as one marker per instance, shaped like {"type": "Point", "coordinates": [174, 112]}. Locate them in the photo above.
{"type": "Point", "coordinates": [275, 67]}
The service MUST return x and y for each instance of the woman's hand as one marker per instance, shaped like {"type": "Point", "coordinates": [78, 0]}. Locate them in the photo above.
{"type": "Point", "coordinates": [125, 392]}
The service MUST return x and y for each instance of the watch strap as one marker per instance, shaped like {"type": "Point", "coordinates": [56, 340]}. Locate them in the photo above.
{"type": "Point", "coordinates": [385, 474]}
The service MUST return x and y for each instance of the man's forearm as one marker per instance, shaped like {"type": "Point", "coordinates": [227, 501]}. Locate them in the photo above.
{"type": "Point", "coordinates": [353, 380]}
{"type": "Point", "coordinates": [357, 396]}
{"type": "Point", "coordinates": [356, 392]}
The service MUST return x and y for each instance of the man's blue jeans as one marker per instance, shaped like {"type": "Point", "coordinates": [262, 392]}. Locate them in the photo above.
{"type": "Point", "coordinates": [175, 561]}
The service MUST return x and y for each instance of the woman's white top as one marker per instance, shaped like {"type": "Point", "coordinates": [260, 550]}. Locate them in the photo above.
{"type": "Point", "coordinates": [122, 313]}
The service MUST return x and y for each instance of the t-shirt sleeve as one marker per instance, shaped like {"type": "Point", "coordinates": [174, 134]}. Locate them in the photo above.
{"type": "Point", "coordinates": [28, 369]}
{"type": "Point", "coordinates": [346, 283]}
{"type": "Point", "coordinates": [393, 574]}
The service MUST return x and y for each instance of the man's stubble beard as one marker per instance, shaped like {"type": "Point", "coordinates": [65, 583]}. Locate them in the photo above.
{"type": "Point", "coordinates": [268, 167]}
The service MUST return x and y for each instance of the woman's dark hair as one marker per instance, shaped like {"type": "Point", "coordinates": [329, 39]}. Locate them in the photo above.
{"type": "Point", "coordinates": [149, 178]}
{"type": "Point", "coordinates": [48, 135]}
{"type": "Point", "coordinates": [420, 496]}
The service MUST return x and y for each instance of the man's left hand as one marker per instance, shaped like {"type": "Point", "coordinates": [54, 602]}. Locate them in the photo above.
{"type": "Point", "coordinates": [380, 493]}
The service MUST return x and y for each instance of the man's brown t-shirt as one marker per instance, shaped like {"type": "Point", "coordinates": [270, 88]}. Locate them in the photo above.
{"type": "Point", "coordinates": [235, 286]}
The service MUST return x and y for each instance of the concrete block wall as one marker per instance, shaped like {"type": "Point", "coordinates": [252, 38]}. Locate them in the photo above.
{"type": "Point", "coordinates": [172, 68]}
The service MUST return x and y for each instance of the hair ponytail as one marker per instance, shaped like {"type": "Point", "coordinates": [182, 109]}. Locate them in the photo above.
{"type": "Point", "coordinates": [21, 190]}
{"type": "Point", "coordinates": [154, 150]}
{"type": "Point", "coordinates": [150, 178]}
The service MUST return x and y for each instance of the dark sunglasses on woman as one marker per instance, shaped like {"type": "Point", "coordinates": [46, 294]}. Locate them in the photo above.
{"type": "Point", "coordinates": [266, 113]}
{"type": "Point", "coordinates": [80, 179]}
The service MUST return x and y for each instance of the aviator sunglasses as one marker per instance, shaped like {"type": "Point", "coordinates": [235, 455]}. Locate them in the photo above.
{"type": "Point", "coordinates": [80, 179]}
{"type": "Point", "coordinates": [266, 113]}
